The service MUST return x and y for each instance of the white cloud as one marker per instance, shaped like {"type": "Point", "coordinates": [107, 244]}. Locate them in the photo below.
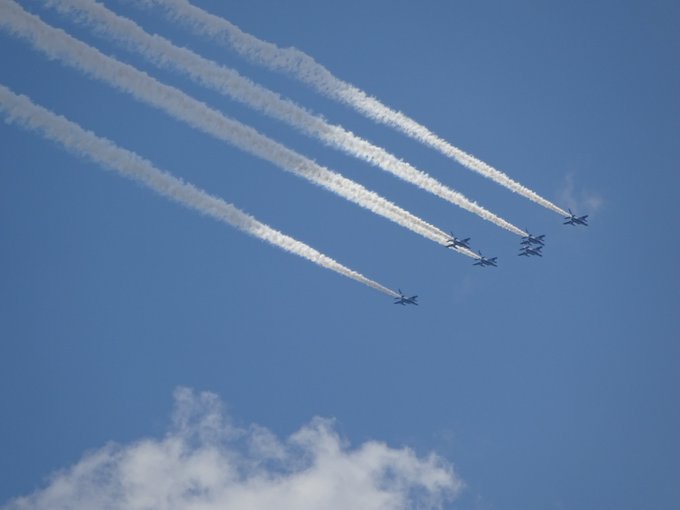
{"type": "Point", "coordinates": [579, 200]}
{"type": "Point", "coordinates": [206, 463]}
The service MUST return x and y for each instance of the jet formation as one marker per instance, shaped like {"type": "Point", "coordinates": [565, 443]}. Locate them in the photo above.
{"type": "Point", "coordinates": [530, 246]}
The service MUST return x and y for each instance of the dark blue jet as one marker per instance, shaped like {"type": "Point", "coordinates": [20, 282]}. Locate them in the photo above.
{"type": "Point", "coordinates": [403, 300]}
{"type": "Point", "coordinates": [531, 239]}
{"type": "Point", "coordinates": [572, 219]}
{"type": "Point", "coordinates": [528, 251]}
{"type": "Point", "coordinates": [454, 242]}
{"type": "Point", "coordinates": [483, 261]}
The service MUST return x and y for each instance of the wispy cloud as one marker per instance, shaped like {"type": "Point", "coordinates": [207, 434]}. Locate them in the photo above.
{"type": "Point", "coordinates": [579, 199]}
{"type": "Point", "coordinates": [205, 462]}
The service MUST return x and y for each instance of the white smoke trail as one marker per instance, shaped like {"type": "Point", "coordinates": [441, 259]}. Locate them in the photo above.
{"type": "Point", "coordinates": [59, 45]}
{"type": "Point", "coordinates": [229, 82]}
{"type": "Point", "coordinates": [21, 110]}
{"type": "Point", "coordinates": [300, 65]}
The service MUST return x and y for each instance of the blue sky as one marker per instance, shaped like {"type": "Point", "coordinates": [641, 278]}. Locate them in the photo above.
{"type": "Point", "coordinates": [547, 383]}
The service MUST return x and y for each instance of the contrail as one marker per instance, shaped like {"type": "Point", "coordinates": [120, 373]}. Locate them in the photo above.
{"type": "Point", "coordinates": [300, 65]}
{"type": "Point", "coordinates": [227, 81]}
{"type": "Point", "coordinates": [59, 45]}
{"type": "Point", "coordinates": [22, 111]}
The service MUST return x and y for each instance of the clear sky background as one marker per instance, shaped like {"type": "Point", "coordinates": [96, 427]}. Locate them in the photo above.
{"type": "Point", "coordinates": [548, 383]}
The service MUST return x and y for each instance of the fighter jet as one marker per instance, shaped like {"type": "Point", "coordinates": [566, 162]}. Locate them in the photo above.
{"type": "Point", "coordinates": [454, 242]}
{"type": "Point", "coordinates": [572, 219]}
{"type": "Point", "coordinates": [483, 261]}
{"type": "Point", "coordinates": [527, 251]}
{"type": "Point", "coordinates": [403, 300]}
{"type": "Point", "coordinates": [530, 239]}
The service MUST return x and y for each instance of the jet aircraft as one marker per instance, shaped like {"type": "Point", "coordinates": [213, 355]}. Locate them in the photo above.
{"type": "Point", "coordinates": [483, 261]}
{"type": "Point", "coordinates": [572, 219]}
{"type": "Point", "coordinates": [454, 242]}
{"type": "Point", "coordinates": [530, 239]}
{"type": "Point", "coordinates": [527, 251]}
{"type": "Point", "coordinates": [403, 300]}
